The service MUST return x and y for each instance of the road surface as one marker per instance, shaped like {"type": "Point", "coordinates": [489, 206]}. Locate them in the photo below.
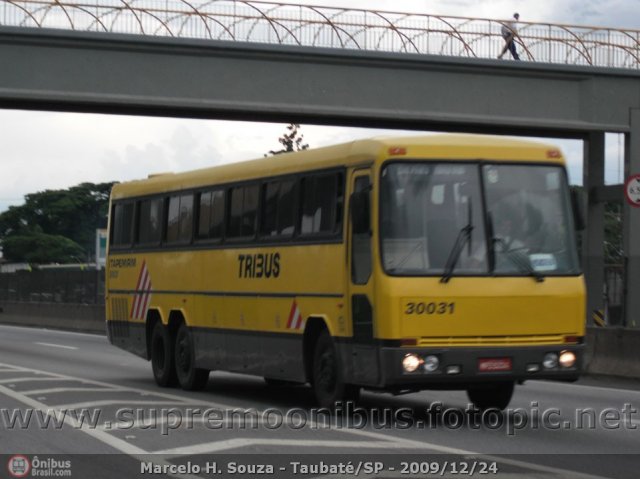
{"type": "Point", "coordinates": [67, 393]}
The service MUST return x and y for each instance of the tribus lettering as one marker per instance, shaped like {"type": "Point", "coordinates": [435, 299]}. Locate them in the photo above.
{"type": "Point", "coordinates": [259, 265]}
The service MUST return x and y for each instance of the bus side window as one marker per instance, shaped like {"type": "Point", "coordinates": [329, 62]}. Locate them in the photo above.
{"type": "Point", "coordinates": [361, 265]}
{"type": "Point", "coordinates": [278, 209]}
{"type": "Point", "coordinates": [150, 222]}
{"type": "Point", "coordinates": [321, 195]}
{"type": "Point", "coordinates": [269, 223]}
{"type": "Point", "coordinates": [211, 215]}
{"type": "Point", "coordinates": [287, 208]}
{"type": "Point", "coordinates": [243, 211]}
{"type": "Point", "coordinates": [180, 219]}
{"type": "Point", "coordinates": [122, 229]}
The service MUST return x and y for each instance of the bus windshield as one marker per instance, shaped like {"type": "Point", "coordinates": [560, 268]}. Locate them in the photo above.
{"type": "Point", "coordinates": [435, 221]}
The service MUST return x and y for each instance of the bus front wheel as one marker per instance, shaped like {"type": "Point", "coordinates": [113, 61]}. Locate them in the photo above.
{"type": "Point", "coordinates": [190, 377]}
{"type": "Point", "coordinates": [491, 396]}
{"type": "Point", "coordinates": [162, 360]}
{"type": "Point", "coordinates": [328, 383]}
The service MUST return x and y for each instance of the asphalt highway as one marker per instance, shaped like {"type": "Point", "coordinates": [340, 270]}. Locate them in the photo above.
{"type": "Point", "coordinates": [67, 393]}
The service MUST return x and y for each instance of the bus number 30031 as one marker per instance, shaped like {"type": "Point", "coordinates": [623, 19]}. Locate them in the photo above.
{"type": "Point", "coordinates": [430, 308]}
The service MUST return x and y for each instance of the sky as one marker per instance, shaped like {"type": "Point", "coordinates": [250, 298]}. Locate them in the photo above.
{"type": "Point", "coordinates": [47, 150]}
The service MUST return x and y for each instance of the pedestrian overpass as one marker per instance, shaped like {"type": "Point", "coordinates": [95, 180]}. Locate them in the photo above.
{"type": "Point", "coordinates": [561, 91]}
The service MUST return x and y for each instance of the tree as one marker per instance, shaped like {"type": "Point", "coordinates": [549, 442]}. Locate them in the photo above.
{"type": "Point", "coordinates": [291, 141]}
{"type": "Point", "coordinates": [613, 248]}
{"type": "Point", "coordinates": [42, 248]}
{"type": "Point", "coordinates": [55, 225]}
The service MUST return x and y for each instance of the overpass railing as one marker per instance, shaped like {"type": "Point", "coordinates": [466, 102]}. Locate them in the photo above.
{"type": "Point", "coordinates": [288, 24]}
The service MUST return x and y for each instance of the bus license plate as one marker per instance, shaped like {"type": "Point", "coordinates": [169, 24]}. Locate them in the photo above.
{"type": "Point", "coordinates": [491, 365]}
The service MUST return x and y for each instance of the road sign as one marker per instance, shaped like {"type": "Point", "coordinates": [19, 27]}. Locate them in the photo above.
{"type": "Point", "coordinates": [632, 190]}
{"type": "Point", "coordinates": [101, 248]}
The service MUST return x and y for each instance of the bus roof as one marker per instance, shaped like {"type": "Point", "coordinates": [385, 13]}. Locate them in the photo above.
{"type": "Point", "coordinates": [442, 146]}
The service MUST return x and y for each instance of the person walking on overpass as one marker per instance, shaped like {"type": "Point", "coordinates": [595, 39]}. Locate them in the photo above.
{"type": "Point", "coordinates": [509, 32]}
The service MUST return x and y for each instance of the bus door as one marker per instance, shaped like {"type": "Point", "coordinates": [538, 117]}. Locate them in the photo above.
{"type": "Point", "coordinates": [364, 363]}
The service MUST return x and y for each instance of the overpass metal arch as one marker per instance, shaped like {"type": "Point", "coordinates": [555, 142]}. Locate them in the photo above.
{"type": "Point", "coordinates": [63, 70]}
{"type": "Point", "coordinates": [328, 27]}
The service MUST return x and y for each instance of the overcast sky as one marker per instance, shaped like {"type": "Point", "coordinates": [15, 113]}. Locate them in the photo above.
{"type": "Point", "coordinates": [44, 150]}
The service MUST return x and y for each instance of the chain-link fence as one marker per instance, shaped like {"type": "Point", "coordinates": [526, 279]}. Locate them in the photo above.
{"type": "Point", "coordinates": [53, 286]}
{"type": "Point", "coordinates": [614, 293]}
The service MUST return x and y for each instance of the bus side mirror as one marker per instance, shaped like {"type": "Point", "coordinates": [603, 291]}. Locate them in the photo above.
{"type": "Point", "coordinates": [578, 210]}
{"type": "Point", "coordinates": [360, 216]}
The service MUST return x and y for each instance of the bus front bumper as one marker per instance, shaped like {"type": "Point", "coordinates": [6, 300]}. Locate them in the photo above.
{"type": "Point", "coordinates": [468, 365]}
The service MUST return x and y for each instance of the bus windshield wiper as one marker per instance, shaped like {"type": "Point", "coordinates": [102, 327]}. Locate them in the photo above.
{"type": "Point", "coordinates": [513, 256]}
{"type": "Point", "coordinates": [464, 237]}
{"type": "Point", "coordinates": [520, 261]}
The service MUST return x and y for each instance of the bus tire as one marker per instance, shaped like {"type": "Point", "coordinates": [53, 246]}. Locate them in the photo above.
{"type": "Point", "coordinates": [491, 396]}
{"type": "Point", "coordinates": [189, 377]}
{"type": "Point", "coordinates": [162, 359]}
{"type": "Point", "coordinates": [328, 383]}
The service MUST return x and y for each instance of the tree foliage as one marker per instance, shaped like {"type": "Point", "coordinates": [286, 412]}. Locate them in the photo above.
{"type": "Point", "coordinates": [42, 248]}
{"type": "Point", "coordinates": [291, 141]}
{"type": "Point", "coordinates": [613, 248]}
{"type": "Point", "coordinates": [55, 225]}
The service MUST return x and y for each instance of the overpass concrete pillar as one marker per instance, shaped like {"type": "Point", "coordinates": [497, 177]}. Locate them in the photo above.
{"type": "Point", "coordinates": [631, 227]}
{"type": "Point", "coordinates": [593, 237]}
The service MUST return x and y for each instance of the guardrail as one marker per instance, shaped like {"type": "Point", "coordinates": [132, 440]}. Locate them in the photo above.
{"type": "Point", "coordinates": [288, 24]}
{"type": "Point", "coordinates": [67, 317]}
{"type": "Point", "coordinates": [613, 352]}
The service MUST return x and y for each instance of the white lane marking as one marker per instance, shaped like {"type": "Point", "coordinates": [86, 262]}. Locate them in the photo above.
{"type": "Point", "coordinates": [51, 345]}
{"type": "Point", "coordinates": [9, 370]}
{"type": "Point", "coordinates": [33, 392]}
{"type": "Point", "coordinates": [399, 440]}
{"type": "Point", "coordinates": [216, 446]}
{"type": "Point", "coordinates": [102, 436]}
{"type": "Point", "coordinates": [17, 368]}
{"type": "Point", "coordinates": [24, 380]}
{"type": "Point", "coordinates": [56, 331]}
{"type": "Point", "coordinates": [108, 439]}
{"type": "Point", "coordinates": [383, 437]}
{"type": "Point", "coordinates": [220, 423]}
{"type": "Point", "coordinates": [178, 399]}
{"type": "Point", "coordinates": [188, 423]}
{"type": "Point", "coordinates": [409, 443]}
{"type": "Point", "coordinates": [111, 402]}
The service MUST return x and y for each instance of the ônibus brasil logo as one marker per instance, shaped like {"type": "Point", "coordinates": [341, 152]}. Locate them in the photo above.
{"type": "Point", "coordinates": [19, 466]}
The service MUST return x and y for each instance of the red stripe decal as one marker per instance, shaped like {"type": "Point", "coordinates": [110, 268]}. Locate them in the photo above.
{"type": "Point", "coordinates": [292, 314]}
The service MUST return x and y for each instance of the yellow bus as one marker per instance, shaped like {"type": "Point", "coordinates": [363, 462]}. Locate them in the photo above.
{"type": "Point", "coordinates": [394, 264]}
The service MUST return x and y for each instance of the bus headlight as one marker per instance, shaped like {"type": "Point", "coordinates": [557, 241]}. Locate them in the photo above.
{"type": "Point", "coordinates": [567, 359]}
{"type": "Point", "coordinates": [411, 362]}
{"type": "Point", "coordinates": [550, 360]}
{"type": "Point", "coordinates": [431, 363]}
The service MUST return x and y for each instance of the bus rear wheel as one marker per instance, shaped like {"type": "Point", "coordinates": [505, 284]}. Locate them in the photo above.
{"type": "Point", "coordinates": [491, 396]}
{"type": "Point", "coordinates": [162, 360]}
{"type": "Point", "coordinates": [328, 383]}
{"type": "Point", "coordinates": [190, 377]}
